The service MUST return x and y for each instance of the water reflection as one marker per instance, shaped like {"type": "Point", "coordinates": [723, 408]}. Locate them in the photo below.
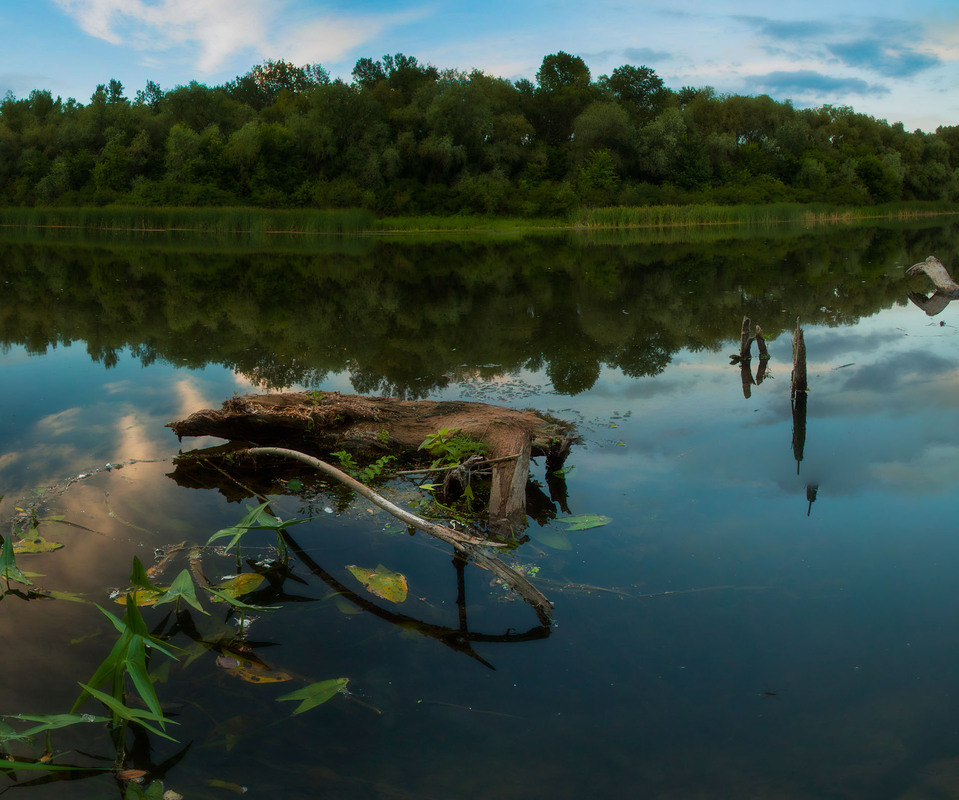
{"type": "Point", "coordinates": [724, 576]}
{"type": "Point", "coordinates": [568, 306]}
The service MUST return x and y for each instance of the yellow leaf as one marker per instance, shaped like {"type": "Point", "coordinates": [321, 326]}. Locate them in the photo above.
{"type": "Point", "coordinates": [250, 671]}
{"type": "Point", "coordinates": [382, 582]}
{"type": "Point", "coordinates": [35, 545]}
{"type": "Point", "coordinates": [142, 597]}
{"type": "Point", "coordinates": [240, 585]}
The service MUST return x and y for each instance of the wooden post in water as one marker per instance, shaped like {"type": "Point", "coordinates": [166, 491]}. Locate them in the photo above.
{"type": "Point", "coordinates": [746, 341]}
{"type": "Point", "coordinates": [798, 396]}
{"type": "Point", "coordinates": [799, 362]}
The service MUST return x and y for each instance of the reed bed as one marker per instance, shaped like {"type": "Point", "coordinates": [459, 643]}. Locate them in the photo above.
{"type": "Point", "coordinates": [269, 222]}
{"type": "Point", "coordinates": [199, 220]}
{"type": "Point", "coordinates": [768, 214]}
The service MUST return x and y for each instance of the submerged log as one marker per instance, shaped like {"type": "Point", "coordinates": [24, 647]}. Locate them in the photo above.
{"type": "Point", "coordinates": [318, 423]}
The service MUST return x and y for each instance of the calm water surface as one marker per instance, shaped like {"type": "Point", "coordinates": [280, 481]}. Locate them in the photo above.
{"type": "Point", "coordinates": [763, 617]}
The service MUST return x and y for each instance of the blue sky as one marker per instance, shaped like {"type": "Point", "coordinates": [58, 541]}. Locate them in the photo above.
{"type": "Point", "coordinates": [897, 61]}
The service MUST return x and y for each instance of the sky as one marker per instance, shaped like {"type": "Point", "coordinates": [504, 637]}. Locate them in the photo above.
{"type": "Point", "coordinates": [897, 61]}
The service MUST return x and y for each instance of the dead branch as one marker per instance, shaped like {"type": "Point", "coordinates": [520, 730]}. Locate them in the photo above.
{"type": "Point", "coordinates": [470, 546]}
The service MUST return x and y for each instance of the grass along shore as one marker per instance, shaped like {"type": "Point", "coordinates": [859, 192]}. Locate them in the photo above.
{"type": "Point", "coordinates": [360, 221]}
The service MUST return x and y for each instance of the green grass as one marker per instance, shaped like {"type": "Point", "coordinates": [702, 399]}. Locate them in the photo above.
{"type": "Point", "coordinates": [201, 220]}
{"type": "Point", "coordinates": [768, 214]}
{"type": "Point", "coordinates": [265, 223]}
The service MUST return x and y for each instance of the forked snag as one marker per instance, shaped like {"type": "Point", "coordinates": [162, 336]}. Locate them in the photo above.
{"type": "Point", "coordinates": [470, 546]}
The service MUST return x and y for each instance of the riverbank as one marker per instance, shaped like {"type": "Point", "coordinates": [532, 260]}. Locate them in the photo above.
{"type": "Point", "coordinates": [359, 221]}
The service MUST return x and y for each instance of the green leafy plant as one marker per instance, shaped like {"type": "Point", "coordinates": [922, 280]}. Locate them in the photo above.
{"type": "Point", "coordinates": [257, 519]}
{"type": "Point", "coordinates": [9, 571]}
{"type": "Point", "coordinates": [449, 447]}
{"type": "Point", "coordinates": [367, 474]}
{"type": "Point", "coordinates": [315, 694]}
{"type": "Point", "coordinates": [127, 659]}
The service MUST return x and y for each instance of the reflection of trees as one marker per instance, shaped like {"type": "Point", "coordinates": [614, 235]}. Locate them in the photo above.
{"type": "Point", "coordinates": [404, 317]}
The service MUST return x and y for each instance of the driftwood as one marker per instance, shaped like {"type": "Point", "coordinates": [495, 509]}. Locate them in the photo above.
{"type": "Point", "coordinates": [470, 546]}
{"type": "Point", "coordinates": [947, 289]}
{"type": "Point", "coordinates": [317, 423]}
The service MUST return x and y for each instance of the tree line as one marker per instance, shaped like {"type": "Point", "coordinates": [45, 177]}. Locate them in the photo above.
{"type": "Point", "coordinates": [407, 138]}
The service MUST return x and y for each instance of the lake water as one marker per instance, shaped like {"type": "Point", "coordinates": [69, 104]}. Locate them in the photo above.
{"type": "Point", "coordinates": [765, 615]}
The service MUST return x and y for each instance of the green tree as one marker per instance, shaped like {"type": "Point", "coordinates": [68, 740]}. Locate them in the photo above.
{"type": "Point", "coordinates": [638, 89]}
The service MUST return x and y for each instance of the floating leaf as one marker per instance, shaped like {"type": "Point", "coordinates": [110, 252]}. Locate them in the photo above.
{"type": "Point", "coordinates": [35, 544]}
{"type": "Point", "coordinates": [71, 596]}
{"type": "Point", "coordinates": [142, 597]}
{"type": "Point", "coordinates": [585, 521]}
{"type": "Point", "coordinates": [294, 485]}
{"type": "Point", "coordinates": [315, 694]}
{"type": "Point", "coordinates": [239, 585]}
{"type": "Point", "coordinates": [552, 539]}
{"type": "Point", "coordinates": [382, 582]}
{"type": "Point", "coordinates": [250, 671]}
{"type": "Point", "coordinates": [230, 787]}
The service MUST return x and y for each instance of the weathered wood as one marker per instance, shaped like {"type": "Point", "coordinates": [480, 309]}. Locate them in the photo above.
{"type": "Point", "coordinates": [317, 423]}
{"type": "Point", "coordinates": [934, 268]}
{"type": "Point", "coordinates": [745, 341]}
{"type": "Point", "coordinates": [470, 546]}
{"type": "Point", "coordinates": [799, 361]}
{"type": "Point", "coordinates": [761, 345]}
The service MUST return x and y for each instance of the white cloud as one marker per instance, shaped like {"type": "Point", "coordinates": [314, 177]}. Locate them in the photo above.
{"type": "Point", "coordinates": [333, 37]}
{"type": "Point", "coordinates": [221, 29]}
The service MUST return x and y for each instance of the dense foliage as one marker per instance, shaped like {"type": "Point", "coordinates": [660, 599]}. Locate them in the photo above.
{"type": "Point", "coordinates": [406, 138]}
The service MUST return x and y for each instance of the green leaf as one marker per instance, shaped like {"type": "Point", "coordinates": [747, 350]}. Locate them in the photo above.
{"type": "Point", "coordinates": [45, 765]}
{"type": "Point", "coordinates": [241, 584]}
{"type": "Point", "coordinates": [134, 715]}
{"type": "Point", "coordinates": [257, 519]}
{"type": "Point", "coordinates": [139, 578]}
{"type": "Point", "coordinates": [315, 694]}
{"type": "Point", "coordinates": [238, 603]}
{"type": "Point", "coordinates": [182, 586]}
{"type": "Point", "coordinates": [585, 521]}
{"type": "Point", "coordinates": [48, 722]}
{"type": "Point", "coordinates": [8, 564]}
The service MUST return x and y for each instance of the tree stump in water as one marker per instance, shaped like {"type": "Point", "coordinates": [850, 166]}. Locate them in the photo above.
{"type": "Point", "coordinates": [368, 427]}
